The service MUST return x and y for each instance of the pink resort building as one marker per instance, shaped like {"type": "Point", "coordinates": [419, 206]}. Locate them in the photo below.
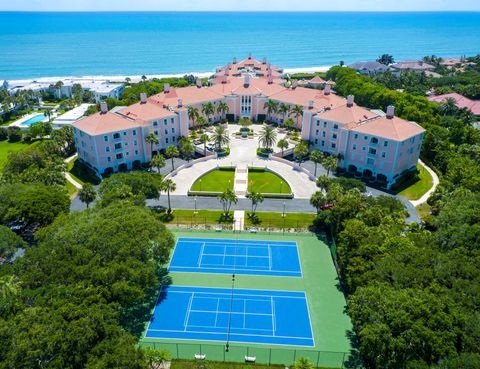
{"type": "Point", "coordinates": [367, 142]}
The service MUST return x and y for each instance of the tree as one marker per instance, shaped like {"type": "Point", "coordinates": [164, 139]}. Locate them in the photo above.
{"type": "Point", "coordinates": [256, 199]}
{"type": "Point", "coordinates": [245, 122]}
{"type": "Point", "coordinates": [448, 106]}
{"type": "Point", "coordinates": [297, 112]}
{"type": "Point", "coordinates": [193, 114]}
{"type": "Point", "coordinates": [289, 124]}
{"type": "Point", "coordinates": [156, 357]}
{"type": "Point", "coordinates": [169, 186]}
{"type": "Point", "coordinates": [284, 109]}
{"type": "Point", "coordinates": [208, 109]}
{"type": "Point", "coordinates": [152, 139]}
{"type": "Point", "coordinates": [9, 242]}
{"type": "Point", "coordinates": [201, 120]}
{"type": "Point", "coordinates": [223, 108]}
{"type": "Point", "coordinates": [220, 137]}
{"type": "Point", "coordinates": [158, 162]}
{"type": "Point", "coordinates": [330, 163]}
{"type": "Point", "coordinates": [48, 113]}
{"type": "Point", "coordinates": [386, 59]}
{"type": "Point", "coordinates": [9, 287]}
{"type": "Point", "coordinates": [14, 134]}
{"type": "Point", "coordinates": [188, 150]}
{"type": "Point", "coordinates": [303, 363]}
{"type": "Point", "coordinates": [77, 92]}
{"type": "Point", "coordinates": [317, 157]}
{"type": "Point", "coordinates": [323, 182]}
{"type": "Point", "coordinates": [267, 137]}
{"type": "Point", "coordinates": [318, 200]}
{"type": "Point", "coordinates": [282, 144]}
{"type": "Point", "coordinates": [300, 151]}
{"type": "Point", "coordinates": [228, 198]}
{"type": "Point", "coordinates": [204, 139]}
{"type": "Point", "coordinates": [271, 107]}
{"type": "Point", "coordinates": [172, 152]}
{"type": "Point", "coordinates": [87, 194]}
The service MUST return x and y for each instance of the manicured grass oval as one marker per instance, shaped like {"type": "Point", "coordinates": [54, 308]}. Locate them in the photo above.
{"type": "Point", "coordinates": [215, 181]}
{"type": "Point", "coordinates": [267, 182]}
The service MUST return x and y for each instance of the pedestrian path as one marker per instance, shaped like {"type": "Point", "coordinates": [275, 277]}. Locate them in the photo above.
{"type": "Point", "coordinates": [239, 220]}
{"type": "Point", "coordinates": [240, 185]}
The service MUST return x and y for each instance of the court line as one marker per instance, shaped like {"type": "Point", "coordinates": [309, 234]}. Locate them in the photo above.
{"type": "Point", "coordinates": [216, 314]}
{"type": "Point", "coordinates": [187, 315]}
{"type": "Point", "coordinates": [228, 312]}
{"type": "Point", "coordinates": [240, 243]}
{"type": "Point", "coordinates": [309, 319]}
{"type": "Point", "coordinates": [244, 311]}
{"type": "Point", "coordinates": [200, 255]}
{"type": "Point", "coordinates": [247, 329]}
{"type": "Point", "coordinates": [184, 289]}
{"type": "Point", "coordinates": [229, 269]}
{"type": "Point", "coordinates": [274, 328]}
{"type": "Point", "coordinates": [269, 258]}
{"type": "Point", "coordinates": [239, 255]}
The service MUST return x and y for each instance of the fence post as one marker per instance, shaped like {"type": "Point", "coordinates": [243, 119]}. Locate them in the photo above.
{"type": "Point", "coordinates": [343, 361]}
{"type": "Point", "coordinates": [178, 356]}
{"type": "Point", "coordinates": [294, 355]}
{"type": "Point", "coordinates": [318, 359]}
{"type": "Point", "coordinates": [270, 357]}
{"type": "Point", "coordinates": [201, 349]}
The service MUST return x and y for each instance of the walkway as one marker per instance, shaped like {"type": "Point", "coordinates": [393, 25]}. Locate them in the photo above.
{"type": "Point", "coordinates": [436, 182]}
{"type": "Point", "coordinates": [68, 177]}
{"type": "Point", "coordinates": [240, 186]}
{"type": "Point", "coordinates": [239, 220]}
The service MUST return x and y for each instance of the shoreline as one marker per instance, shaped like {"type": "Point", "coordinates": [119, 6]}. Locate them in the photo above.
{"type": "Point", "coordinates": [137, 78]}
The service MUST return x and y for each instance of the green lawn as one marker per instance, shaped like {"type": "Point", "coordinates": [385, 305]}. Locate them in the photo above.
{"type": "Point", "coordinates": [7, 147]}
{"type": "Point", "coordinates": [267, 182]}
{"type": "Point", "coordinates": [418, 189]}
{"type": "Point", "coordinates": [423, 211]}
{"type": "Point", "coordinates": [202, 217]}
{"type": "Point", "coordinates": [81, 173]}
{"type": "Point", "coordinates": [215, 181]}
{"type": "Point", "coordinates": [275, 220]}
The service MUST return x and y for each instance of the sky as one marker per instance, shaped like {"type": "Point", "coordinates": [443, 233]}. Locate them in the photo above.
{"type": "Point", "coordinates": [235, 5]}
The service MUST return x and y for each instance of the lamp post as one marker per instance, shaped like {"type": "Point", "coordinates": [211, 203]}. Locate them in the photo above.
{"type": "Point", "coordinates": [200, 184]}
{"type": "Point", "coordinates": [281, 186]}
{"type": "Point", "coordinates": [283, 213]}
{"type": "Point", "coordinates": [195, 212]}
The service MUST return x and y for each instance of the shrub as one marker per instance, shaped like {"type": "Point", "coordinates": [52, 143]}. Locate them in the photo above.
{"type": "Point", "coordinates": [14, 134]}
{"type": "Point", "coordinates": [3, 134]}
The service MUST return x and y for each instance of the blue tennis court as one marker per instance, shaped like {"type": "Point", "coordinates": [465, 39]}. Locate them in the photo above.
{"type": "Point", "coordinates": [254, 316]}
{"type": "Point", "coordinates": [257, 257]}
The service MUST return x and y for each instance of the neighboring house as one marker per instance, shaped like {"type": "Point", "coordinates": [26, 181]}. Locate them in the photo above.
{"type": "Point", "coordinates": [417, 66]}
{"type": "Point", "coordinates": [462, 102]}
{"type": "Point", "coordinates": [370, 143]}
{"type": "Point", "coordinates": [71, 116]}
{"type": "Point", "coordinates": [369, 68]}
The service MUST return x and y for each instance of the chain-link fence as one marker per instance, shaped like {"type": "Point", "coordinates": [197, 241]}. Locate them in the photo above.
{"type": "Point", "coordinates": [217, 352]}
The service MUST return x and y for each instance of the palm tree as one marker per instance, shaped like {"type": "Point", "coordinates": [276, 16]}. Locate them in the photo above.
{"type": "Point", "coordinates": [172, 152]}
{"type": "Point", "coordinates": [228, 198]}
{"type": "Point", "coordinates": [330, 163]}
{"type": "Point", "coordinates": [220, 137]}
{"type": "Point", "coordinates": [256, 199]}
{"type": "Point", "coordinates": [193, 114]}
{"type": "Point", "coordinates": [448, 106]}
{"type": "Point", "coordinates": [223, 108]}
{"type": "Point", "coordinates": [201, 120]}
{"type": "Point", "coordinates": [87, 194]}
{"type": "Point", "coordinates": [318, 200]}
{"type": "Point", "coordinates": [168, 186]}
{"type": "Point", "coordinates": [208, 109]}
{"type": "Point", "coordinates": [300, 151]}
{"type": "Point", "coordinates": [48, 113]}
{"type": "Point", "coordinates": [245, 122]}
{"type": "Point", "coordinates": [187, 150]}
{"type": "Point", "coordinates": [267, 137]}
{"type": "Point", "coordinates": [386, 59]}
{"type": "Point", "coordinates": [284, 109]}
{"type": "Point", "coordinates": [323, 183]}
{"type": "Point", "coordinates": [282, 144]}
{"type": "Point", "coordinates": [303, 363]}
{"type": "Point", "coordinates": [9, 287]}
{"type": "Point", "coordinates": [271, 107]}
{"type": "Point", "coordinates": [289, 124]}
{"type": "Point", "coordinates": [316, 156]}
{"type": "Point", "coordinates": [204, 140]}
{"type": "Point", "coordinates": [297, 112]}
{"type": "Point", "coordinates": [158, 161]}
{"type": "Point", "coordinates": [152, 139]}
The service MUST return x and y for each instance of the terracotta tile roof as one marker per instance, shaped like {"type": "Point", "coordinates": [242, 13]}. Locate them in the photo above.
{"type": "Point", "coordinates": [349, 116]}
{"type": "Point", "coordinates": [418, 65]}
{"type": "Point", "coordinates": [316, 80]}
{"type": "Point", "coordinates": [461, 102]}
{"type": "Point", "coordinates": [189, 95]}
{"type": "Point", "coordinates": [395, 129]}
{"type": "Point", "coordinates": [302, 96]}
{"type": "Point", "coordinates": [148, 111]}
{"type": "Point", "coordinates": [99, 123]}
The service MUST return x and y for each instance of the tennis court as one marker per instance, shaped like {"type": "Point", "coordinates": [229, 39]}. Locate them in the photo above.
{"type": "Point", "coordinates": [218, 314]}
{"type": "Point", "coordinates": [256, 257]}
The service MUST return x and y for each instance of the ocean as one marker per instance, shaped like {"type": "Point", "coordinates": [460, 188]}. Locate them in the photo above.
{"type": "Point", "coordinates": [47, 44]}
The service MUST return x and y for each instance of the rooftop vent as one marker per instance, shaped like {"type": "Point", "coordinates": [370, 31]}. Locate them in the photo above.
{"type": "Point", "coordinates": [249, 56]}
{"type": "Point", "coordinates": [310, 104]}
{"type": "Point", "coordinates": [390, 111]}
{"type": "Point", "coordinates": [166, 88]}
{"type": "Point", "coordinates": [103, 107]}
{"type": "Point", "coordinates": [180, 103]}
{"type": "Point", "coordinates": [234, 60]}
{"type": "Point", "coordinates": [294, 84]}
{"type": "Point", "coordinates": [143, 98]}
{"type": "Point", "coordinates": [199, 83]}
{"type": "Point", "coordinates": [224, 79]}
{"type": "Point", "coordinates": [350, 100]}
{"type": "Point", "coordinates": [327, 90]}
{"type": "Point", "coordinates": [270, 80]}
{"type": "Point", "coordinates": [264, 61]}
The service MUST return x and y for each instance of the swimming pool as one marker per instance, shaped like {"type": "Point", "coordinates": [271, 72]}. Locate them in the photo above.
{"type": "Point", "coordinates": [35, 119]}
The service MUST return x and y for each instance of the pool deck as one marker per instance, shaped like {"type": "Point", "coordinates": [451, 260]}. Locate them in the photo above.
{"type": "Point", "coordinates": [20, 122]}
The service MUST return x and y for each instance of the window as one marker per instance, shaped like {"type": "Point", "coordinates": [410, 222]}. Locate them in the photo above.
{"type": "Point", "coordinates": [335, 126]}
{"type": "Point", "coordinates": [166, 131]}
{"type": "Point", "coordinates": [374, 140]}
{"type": "Point", "coordinates": [172, 120]}
{"type": "Point", "coordinates": [324, 124]}
{"type": "Point", "coordinates": [135, 143]}
{"type": "Point", "coordinates": [107, 149]}
{"type": "Point", "coordinates": [83, 144]}
{"type": "Point", "coordinates": [410, 150]}
{"type": "Point", "coordinates": [318, 123]}
{"type": "Point", "coordinates": [334, 145]}
{"type": "Point", "coordinates": [418, 147]}
{"type": "Point", "coordinates": [316, 132]}
{"type": "Point", "coordinates": [385, 143]}
{"type": "Point", "coordinates": [334, 136]}
{"type": "Point", "coordinates": [156, 132]}
{"type": "Point", "coordinates": [173, 130]}
{"type": "Point", "coordinates": [363, 148]}
{"type": "Point", "coordinates": [118, 146]}
{"type": "Point", "coordinates": [120, 156]}
{"type": "Point", "coordinates": [105, 138]}
{"type": "Point", "coordinates": [412, 140]}
{"type": "Point", "coordinates": [173, 139]}
{"type": "Point", "coordinates": [125, 133]}
{"type": "Point", "coordinates": [136, 152]}
{"type": "Point", "coordinates": [356, 136]}
{"type": "Point", "coordinates": [134, 132]}
{"type": "Point", "coordinates": [323, 143]}
{"type": "Point", "coordinates": [166, 140]}
{"type": "Point", "coordinates": [155, 124]}
{"type": "Point", "coordinates": [109, 159]}
{"type": "Point", "coordinates": [365, 138]}
{"type": "Point", "coordinates": [316, 141]}
{"type": "Point", "coordinates": [372, 151]}
{"type": "Point", "coordinates": [324, 134]}
{"type": "Point", "coordinates": [370, 161]}
{"type": "Point", "coordinates": [116, 136]}
{"type": "Point", "coordinates": [165, 121]}
{"type": "Point", "coordinates": [128, 153]}
{"type": "Point", "coordinates": [384, 154]}
{"type": "Point", "coordinates": [354, 147]}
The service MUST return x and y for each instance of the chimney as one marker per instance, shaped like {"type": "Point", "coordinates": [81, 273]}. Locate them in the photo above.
{"type": "Point", "coordinates": [246, 80]}
{"type": "Point", "coordinates": [327, 90]}
{"type": "Point", "coordinates": [269, 73]}
{"type": "Point", "coordinates": [264, 61]}
{"type": "Point", "coordinates": [226, 71]}
{"type": "Point", "coordinates": [199, 83]}
{"type": "Point", "coordinates": [143, 98]}
{"type": "Point", "coordinates": [103, 108]}
{"type": "Point", "coordinates": [234, 60]}
{"type": "Point", "coordinates": [350, 100]}
{"type": "Point", "coordinates": [294, 84]}
{"type": "Point", "coordinates": [166, 88]}
{"type": "Point", "coordinates": [270, 80]}
{"type": "Point", "coordinates": [224, 79]}
{"type": "Point", "coordinates": [180, 103]}
{"type": "Point", "coordinates": [249, 56]}
{"type": "Point", "coordinates": [310, 104]}
{"type": "Point", "coordinates": [390, 111]}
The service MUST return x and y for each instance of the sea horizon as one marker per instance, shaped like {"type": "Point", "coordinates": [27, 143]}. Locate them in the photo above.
{"type": "Point", "coordinates": [118, 43]}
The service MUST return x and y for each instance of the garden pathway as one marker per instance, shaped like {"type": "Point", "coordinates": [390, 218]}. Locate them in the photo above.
{"type": "Point", "coordinates": [427, 194]}
{"type": "Point", "coordinates": [239, 220]}
{"type": "Point", "coordinates": [68, 177]}
{"type": "Point", "coordinates": [240, 185]}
